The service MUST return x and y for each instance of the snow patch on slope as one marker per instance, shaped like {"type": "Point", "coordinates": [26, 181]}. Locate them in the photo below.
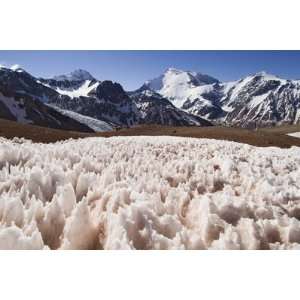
{"type": "Point", "coordinates": [148, 193]}
{"type": "Point", "coordinates": [16, 109]}
{"type": "Point", "coordinates": [15, 67]}
{"type": "Point", "coordinates": [237, 88]}
{"type": "Point", "coordinates": [294, 134]}
{"type": "Point", "coordinates": [96, 125]}
{"type": "Point", "coordinates": [257, 100]}
{"type": "Point", "coordinates": [81, 91]}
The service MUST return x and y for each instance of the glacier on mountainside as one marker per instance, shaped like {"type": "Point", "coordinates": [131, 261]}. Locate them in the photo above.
{"type": "Point", "coordinates": [95, 124]}
{"type": "Point", "coordinates": [16, 108]}
{"type": "Point", "coordinates": [148, 193]}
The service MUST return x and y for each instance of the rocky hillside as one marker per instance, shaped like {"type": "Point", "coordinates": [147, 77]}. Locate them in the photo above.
{"type": "Point", "coordinates": [22, 99]}
{"type": "Point", "coordinates": [155, 109]}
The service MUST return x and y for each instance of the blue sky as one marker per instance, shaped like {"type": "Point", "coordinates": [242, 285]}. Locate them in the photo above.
{"type": "Point", "coordinates": [132, 68]}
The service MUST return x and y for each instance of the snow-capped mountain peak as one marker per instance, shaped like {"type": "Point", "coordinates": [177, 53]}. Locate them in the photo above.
{"type": "Point", "coordinates": [173, 76]}
{"type": "Point", "coordinates": [178, 85]}
{"type": "Point", "coordinates": [267, 76]}
{"type": "Point", "coordinates": [17, 68]}
{"type": "Point", "coordinates": [174, 71]}
{"type": "Point", "coordinates": [14, 68]}
{"type": "Point", "coordinates": [77, 75]}
{"type": "Point", "coordinates": [261, 73]}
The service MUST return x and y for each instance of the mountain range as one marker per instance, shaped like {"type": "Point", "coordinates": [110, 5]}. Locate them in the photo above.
{"type": "Point", "coordinates": [254, 101]}
{"type": "Point", "coordinates": [78, 101]}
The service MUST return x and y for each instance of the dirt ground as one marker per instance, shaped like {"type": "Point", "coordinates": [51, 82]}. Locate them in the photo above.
{"type": "Point", "coordinates": [263, 137]}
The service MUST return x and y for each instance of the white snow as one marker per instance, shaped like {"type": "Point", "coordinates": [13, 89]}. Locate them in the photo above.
{"type": "Point", "coordinates": [95, 124]}
{"type": "Point", "coordinates": [77, 75]}
{"type": "Point", "coordinates": [83, 90]}
{"type": "Point", "coordinates": [297, 116]}
{"type": "Point", "coordinates": [257, 100]}
{"type": "Point", "coordinates": [16, 68]}
{"type": "Point", "coordinates": [15, 108]}
{"type": "Point", "coordinates": [148, 193]}
{"type": "Point", "coordinates": [267, 76]}
{"type": "Point", "coordinates": [294, 134]}
{"type": "Point", "coordinates": [237, 88]}
{"type": "Point", "coordinates": [155, 84]}
{"type": "Point", "coordinates": [179, 86]}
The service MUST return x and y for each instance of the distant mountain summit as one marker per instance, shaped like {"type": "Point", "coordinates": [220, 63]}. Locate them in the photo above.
{"type": "Point", "coordinates": [76, 75]}
{"type": "Point", "coordinates": [175, 84]}
{"type": "Point", "coordinates": [173, 75]}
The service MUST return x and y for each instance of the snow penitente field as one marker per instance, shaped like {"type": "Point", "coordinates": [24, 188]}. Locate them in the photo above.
{"type": "Point", "coordinates": [148, 193]}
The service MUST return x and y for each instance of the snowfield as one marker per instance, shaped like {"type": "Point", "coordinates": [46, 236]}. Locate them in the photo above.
{"type": "Point", "coordinates": [148, 193]}
{"type": "Point", "coordinates": [294, 134]}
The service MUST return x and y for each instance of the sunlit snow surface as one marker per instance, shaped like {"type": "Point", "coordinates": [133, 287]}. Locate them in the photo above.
{"type": "Point", "coordinates": [148, 193]}
{"type": "Point", "coordinates": [95, 124]}
{"type": "Point", "coordinates": [294, 134]}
